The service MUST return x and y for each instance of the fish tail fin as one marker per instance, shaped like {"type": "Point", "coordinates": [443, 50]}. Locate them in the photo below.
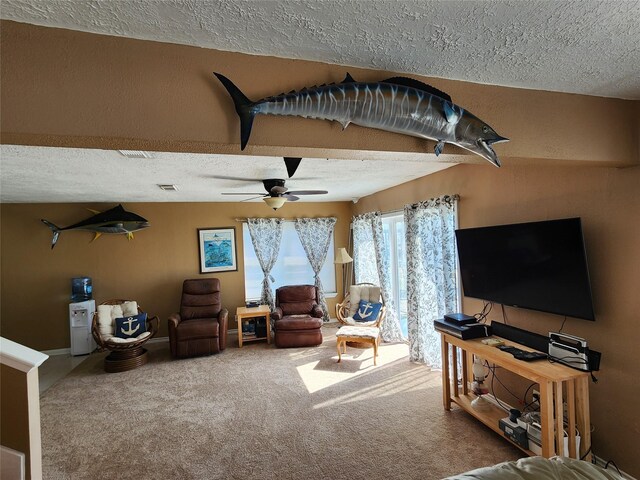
{"type": "Point", "coordinates": [56, 232]}
{"type": "Point", "coordinates": [129, 235]}
{"type": "Point", "coordinates": [96, 236]}
{"type": "Point", "coordinates": [243, 108]}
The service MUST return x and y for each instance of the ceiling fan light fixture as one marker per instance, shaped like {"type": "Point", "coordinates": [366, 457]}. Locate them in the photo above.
{"type": "Point", "coordinates": [275, 202]}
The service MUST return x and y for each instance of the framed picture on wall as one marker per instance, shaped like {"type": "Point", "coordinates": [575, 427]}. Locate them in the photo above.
{"type": "Point", "coordinates": [217, 247]}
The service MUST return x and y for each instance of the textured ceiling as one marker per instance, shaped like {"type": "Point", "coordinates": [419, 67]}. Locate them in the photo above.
{"type": "Point", "coordinates": [580, 46]}
{"type": "Point", "coordinates": [61, 175]}
{"type": "Point", "coordinates": [584, 46]}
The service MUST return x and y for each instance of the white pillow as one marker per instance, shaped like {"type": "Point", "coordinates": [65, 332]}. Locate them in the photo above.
{"type": "Point", "coordinates": [105, 321]}
{"type": "Point", "coordinates": [129, 308]}
{"type": "Point", "coordinates": [129, 340]}
{"type": "Point", "coordinates": [116, 312]}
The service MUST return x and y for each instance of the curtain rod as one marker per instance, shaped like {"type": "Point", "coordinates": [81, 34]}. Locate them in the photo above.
{"type": "Point", "coordinates": [401, 210]}
{"type": "Point", "coordinates": [244, 220]}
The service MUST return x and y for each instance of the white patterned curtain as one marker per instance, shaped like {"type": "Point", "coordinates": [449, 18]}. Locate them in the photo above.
{"type": "Point", "coordinates": [315, 235]}
{"type": "Point", "coordinates": [266, 234]}
{"type": "Point", "coordinates": [432, 286]}
{"type": "Point", "coordinates": [372, 263]}
{"type": "Point", "coordinates": [365, 268]}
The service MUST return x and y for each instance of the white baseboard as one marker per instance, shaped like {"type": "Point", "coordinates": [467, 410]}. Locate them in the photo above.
{"type": "Point", "coordinates": [12, 464]}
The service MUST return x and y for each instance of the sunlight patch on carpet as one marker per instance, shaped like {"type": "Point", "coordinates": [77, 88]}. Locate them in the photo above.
{"type": "Point", "coordinates": [327, 372]}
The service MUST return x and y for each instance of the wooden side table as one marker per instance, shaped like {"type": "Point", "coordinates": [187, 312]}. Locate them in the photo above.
{"type": "Point", "coordinates": [244, 313]}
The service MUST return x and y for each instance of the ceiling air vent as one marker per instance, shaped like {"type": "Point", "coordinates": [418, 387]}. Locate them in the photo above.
{"type": "Point", "coordinates": [135, 154]}
{"type": "Point", "coordinates": [171, 188]}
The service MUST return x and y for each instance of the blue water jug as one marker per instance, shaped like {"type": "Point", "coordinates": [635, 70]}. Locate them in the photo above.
{"type": "Point", "coordinates": [81, 289]}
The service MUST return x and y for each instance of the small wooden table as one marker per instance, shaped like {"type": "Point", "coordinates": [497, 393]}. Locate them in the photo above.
{"type": "Point", "coordinates": [244, 313]}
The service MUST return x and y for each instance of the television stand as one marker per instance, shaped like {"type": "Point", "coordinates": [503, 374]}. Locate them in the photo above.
{"type": "Point", "coordinates": [552, 378]}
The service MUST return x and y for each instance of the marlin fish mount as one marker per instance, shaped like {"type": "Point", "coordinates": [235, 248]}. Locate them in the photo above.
{"type": "Point", "coordinates": [398, 104]}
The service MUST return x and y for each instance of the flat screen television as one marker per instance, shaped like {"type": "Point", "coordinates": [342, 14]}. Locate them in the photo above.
{"type": "Point", "coordinates": [538, 265]}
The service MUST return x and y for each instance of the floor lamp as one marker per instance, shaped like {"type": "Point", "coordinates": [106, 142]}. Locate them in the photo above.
{"type": "Point", "coordinates": [343, 258]}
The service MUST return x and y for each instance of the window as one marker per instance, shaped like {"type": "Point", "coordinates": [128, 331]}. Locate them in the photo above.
{"type": "Point", "coordinates": [291, 268]}
{"type": "Point", "coordinates": [394, 233]}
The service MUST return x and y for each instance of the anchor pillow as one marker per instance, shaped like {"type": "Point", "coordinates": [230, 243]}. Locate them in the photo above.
{"type": "Point", "coordinates": [131, 326]}
{"type": "Point", "coordinates": [367, 311]}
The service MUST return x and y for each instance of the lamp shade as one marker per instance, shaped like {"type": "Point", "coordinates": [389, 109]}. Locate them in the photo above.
{"type": "Point", "coordinates": [275, 202]}
{"type": "Point", "coordinates": [343, 256]}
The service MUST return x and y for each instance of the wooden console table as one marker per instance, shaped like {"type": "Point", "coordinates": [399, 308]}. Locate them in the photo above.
{"type": "Point", "coordinates": [552, 378]}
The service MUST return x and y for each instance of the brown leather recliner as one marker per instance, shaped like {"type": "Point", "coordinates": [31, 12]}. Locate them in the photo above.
{"type": "Point", "coordinates": [298, 316]}
{"type": "Point", "coordinates": [201, 326]}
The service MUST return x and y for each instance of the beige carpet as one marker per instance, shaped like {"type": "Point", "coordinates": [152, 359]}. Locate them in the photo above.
{"type": "Point", "coordinates": [261, 413]}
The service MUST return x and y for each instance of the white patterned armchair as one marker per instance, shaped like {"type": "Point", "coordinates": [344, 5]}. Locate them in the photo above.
{"type": "Point", "coordinates": [359, 306]}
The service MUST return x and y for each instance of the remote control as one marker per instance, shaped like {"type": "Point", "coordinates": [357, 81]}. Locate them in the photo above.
{"type": "Point", "coordinates": [523, 354]}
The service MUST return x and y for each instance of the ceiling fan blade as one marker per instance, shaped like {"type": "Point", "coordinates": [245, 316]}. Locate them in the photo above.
{"type": "Point", "coordinates": [252, 198]}
{"type": "Point", "coordinates": [292, 165]}
{"type": "Point", "coordinates": [278, 189]}
{"type": "Point", "coordinates": [308, 192]}
{"type": "Point", "coordinates": [291, 198]}
{"type": "Point", "coordinates": [240, 179]}
{"type": "Point", "coordinates": [244, 193]}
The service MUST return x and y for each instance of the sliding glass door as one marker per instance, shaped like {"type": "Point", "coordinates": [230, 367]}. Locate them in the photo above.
{"type": "Point", "coordinates": [394, 232]}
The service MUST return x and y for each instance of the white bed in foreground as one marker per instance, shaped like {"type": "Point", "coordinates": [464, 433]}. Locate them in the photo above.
{"type": "Point", "coordinates": [540, 468]}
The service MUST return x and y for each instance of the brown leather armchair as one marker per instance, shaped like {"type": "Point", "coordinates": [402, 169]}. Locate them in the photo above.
{"type": "Point", "coordinates": [298, 316]}
{"type": "Point", "coordinates": [201, 326]}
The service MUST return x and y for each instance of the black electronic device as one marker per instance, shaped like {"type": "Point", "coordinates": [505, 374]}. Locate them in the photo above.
{"type": "Point", "coordinates": [261, 327]}
{"type": "Point", "coordinates": [538, 265]}
{"type": "Point", "coordinates": [463, 331]}
{"type": "Point", "coordinates": [252, 303]}
{"type": "Point", "coordinates": [460, 318]}
{"type": "Point", "coordinates": [523, 337]}
{"type": "Point", "coordinates": [538, 342]}
{"type": "Point", "coordinates": [523, 354]}
{"type": "Point", "coordinates": [573, 351]}
{"type": "Point", "coordinates": [514, 432]}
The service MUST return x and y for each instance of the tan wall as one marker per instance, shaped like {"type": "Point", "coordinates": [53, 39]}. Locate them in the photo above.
{"type": "Point", "coordinates": [36, 281]}
{"type": "Point", "coordinates": [14, 425]}
{"type": "Point", "coordinates": [65, 88]}
{"type": "Point", "coordinates": [608, 201]}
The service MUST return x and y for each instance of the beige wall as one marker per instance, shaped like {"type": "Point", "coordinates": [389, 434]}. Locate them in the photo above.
{"type": "Point", "coordinates": [14, 425]}
{"type": "Point", "coordinates": [64, 88]}
{"type": "Point", "coordinates": [36, 281]}
{"type": "Point", "coordinates": [608, 201]}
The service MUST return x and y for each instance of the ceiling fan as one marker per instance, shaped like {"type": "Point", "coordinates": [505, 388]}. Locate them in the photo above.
{"type": "Point", "coordinates": [277, 194]}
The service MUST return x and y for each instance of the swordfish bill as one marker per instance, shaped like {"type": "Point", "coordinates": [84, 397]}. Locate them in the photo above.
{"type": "Point", "coordinates": [401, 105]}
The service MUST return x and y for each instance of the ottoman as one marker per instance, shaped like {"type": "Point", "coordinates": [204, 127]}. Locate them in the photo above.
{"type": "Point", "coordinates": [358, 334]}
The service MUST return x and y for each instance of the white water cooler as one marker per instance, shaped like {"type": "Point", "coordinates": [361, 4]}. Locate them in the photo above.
{"type": "Point", "coordinates": [80, 316]}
